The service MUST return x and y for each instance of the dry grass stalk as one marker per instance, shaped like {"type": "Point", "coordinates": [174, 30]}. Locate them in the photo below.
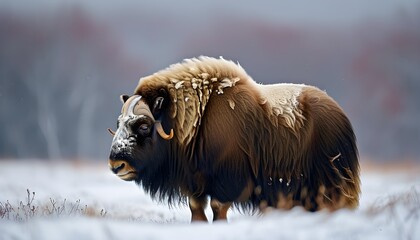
{"type": "Point", "coordinates": [26, 210]}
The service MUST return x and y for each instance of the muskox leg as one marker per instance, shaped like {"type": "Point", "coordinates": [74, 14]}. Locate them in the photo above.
{"type": "Point", "coordinates": [197, 206]}
{"type": "Point", "coordinates": [219, 209]}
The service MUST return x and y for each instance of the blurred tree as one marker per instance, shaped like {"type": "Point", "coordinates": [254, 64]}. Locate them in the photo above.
{"type": "Point", "coordinates": [58, 82]}
{"type": "Point", "coordinates": [388, 75]}
{"type": "Point", "coordinates": [62, 69]}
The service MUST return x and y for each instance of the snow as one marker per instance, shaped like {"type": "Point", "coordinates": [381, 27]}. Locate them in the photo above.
{"type": "Point", "coordinates": [131, 214]}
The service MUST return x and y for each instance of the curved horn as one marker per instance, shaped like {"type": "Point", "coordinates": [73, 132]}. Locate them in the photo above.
{"type": "Point", "coordinates": [111, 131]}
{"type": "Point", "coordinates": [162, 133]}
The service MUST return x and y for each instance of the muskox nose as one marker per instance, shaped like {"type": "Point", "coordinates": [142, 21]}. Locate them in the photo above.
{"type": "Point", "coordinates": [117, 166]}
{"type": "Point", "coordinates": [123, 169]}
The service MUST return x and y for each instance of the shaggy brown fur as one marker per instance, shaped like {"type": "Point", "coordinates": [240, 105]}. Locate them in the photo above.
{"type": "Point", "coordinates": [237, 141]}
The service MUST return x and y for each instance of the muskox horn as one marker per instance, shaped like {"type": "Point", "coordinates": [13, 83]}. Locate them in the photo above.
{"type": "Point", "coordinates": [111, 131]}
{"type": "Point", "coordinates": [162, 133]}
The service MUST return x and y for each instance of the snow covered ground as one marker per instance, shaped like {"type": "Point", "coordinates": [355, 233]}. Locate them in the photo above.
{"type": "Point", "coordinates": [389, 209]}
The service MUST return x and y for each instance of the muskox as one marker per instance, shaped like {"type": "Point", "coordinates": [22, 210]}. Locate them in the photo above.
{"type": "Point", "coordinates": [204, 129]}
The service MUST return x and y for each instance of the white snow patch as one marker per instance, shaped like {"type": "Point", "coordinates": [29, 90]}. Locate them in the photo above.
{"type": "Point", "coordinates": [131, 214]}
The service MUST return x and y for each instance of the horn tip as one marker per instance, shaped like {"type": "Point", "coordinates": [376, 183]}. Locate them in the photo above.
{"type": "Point", "coordinates": [111, 131]}
{"type": "Point", "coordinates": [162, 132]}
{"type": "Point", "coordinates": [171, 134]}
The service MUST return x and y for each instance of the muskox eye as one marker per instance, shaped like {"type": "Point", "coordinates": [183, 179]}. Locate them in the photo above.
{"type": "Point", "coordinates": [144, 129]}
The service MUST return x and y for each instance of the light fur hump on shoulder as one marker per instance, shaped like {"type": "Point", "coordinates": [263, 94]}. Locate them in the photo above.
{"type": "Point", "coordinates": [282, 101]}
{"type": "Point", "coordinates": [190, 85]}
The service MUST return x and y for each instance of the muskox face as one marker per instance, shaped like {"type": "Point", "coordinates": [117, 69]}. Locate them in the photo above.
{"type": "Point", "coordinates": [134, 143]}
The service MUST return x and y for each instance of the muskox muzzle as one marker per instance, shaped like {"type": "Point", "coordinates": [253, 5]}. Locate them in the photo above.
{"type": "Point", "coordinates": [135, 125]}
{"type": "Point", "coordinates": [122, 169]}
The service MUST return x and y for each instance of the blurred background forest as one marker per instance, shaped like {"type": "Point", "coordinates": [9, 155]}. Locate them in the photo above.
{"type": "Point", "coordinates": [63, 64]}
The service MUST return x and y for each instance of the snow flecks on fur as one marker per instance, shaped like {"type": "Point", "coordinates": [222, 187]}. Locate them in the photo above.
{"type": "Point", "coordinates": [283, 101]}
{"type": "Point", "coordinates": [178, 85]}
{"type": "Point", "coordinates": [226, 83]}
{"type": "Point", "coordinates": [231, 104]}
{"type": "Point", "coordinates": [190, 85]}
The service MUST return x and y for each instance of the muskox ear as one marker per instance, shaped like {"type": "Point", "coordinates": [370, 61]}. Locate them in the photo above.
{"type": "Point", "coordinates": [157, 106]}
{"type": "Point", "coordinates": [159, 102]}
{"type": "Point", "coordinates": [124, 98]}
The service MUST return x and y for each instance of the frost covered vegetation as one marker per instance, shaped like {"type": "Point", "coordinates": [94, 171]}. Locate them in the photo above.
{"type": "Point", "coordinates": [27, 209]}
{"type": "Point", "coordinates": [403, 211]}
{"type": "Point", "coordinates": [78, 201]}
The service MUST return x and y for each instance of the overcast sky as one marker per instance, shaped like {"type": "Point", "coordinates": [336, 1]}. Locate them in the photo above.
{"type": "Point", "coordinates": [328, 12]}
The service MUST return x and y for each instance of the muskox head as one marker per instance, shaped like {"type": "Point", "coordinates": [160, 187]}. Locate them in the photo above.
{"type": "Point", "coordinates": [138, 137]}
